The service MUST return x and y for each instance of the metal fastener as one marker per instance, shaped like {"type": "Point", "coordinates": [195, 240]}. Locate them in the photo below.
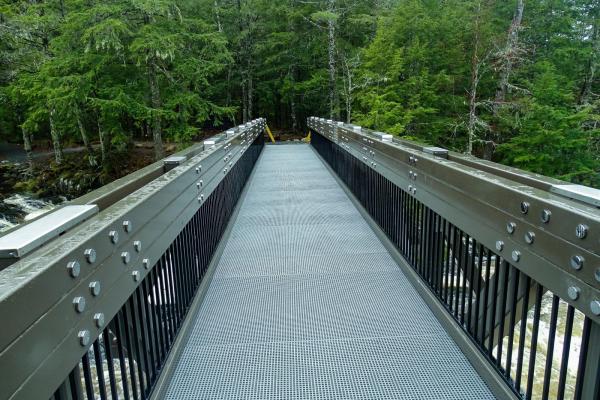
{"type": "Point", "coordinates": [201, 198]}
{"type": "Point", "coordinates": [529, 237]}
{"type": "Point", "coordinates": [577, 262]}
{"type": "Point", "coordinates": [99, 320]}
{"type": "Point", "coordinates": [511, 227]}
{"type": "Point", "coordinates": [84, 338]}
{"type": "Point", "coordinates": [125, 257]}
{"type": "Point", "coordinates": [136, 275]}
{"type": "Point", "coordinates": [114, 237]}
{"type": "Point", "coordinates": [79, 304]}
{"type": "Point", "coordinates": [95, 288]}
{"type": "Point", "coordinates": [198, 170]}
{"type": "Point", "coordinates": [499, 245]}
{"type": "Point", "coordinates": [573, 292]}
{"type": "Point", "coordinates": [146, 263]}
{"type": "Point", "coordinates": [128, 226]}
{"type": "Point", "coordinates": [225, 171]}
{"type": "Point", "coordinates": [74, 269]}
{"type": "Point", "coordinates": [516, 255]}
{"type": "Point", "coordinates": [524, 207]}
{"type": "Point", "coordinates": [137, 245]}
{"type": "Point", "coordinates": [410, 188]}
{"type": "Point", "coordinates": [546, 215]}
{"type": "Point", "coordinates": [90, 255]}
{"type": "Point", "coordinates": [595, 307]}
{"type": "Point", "coordinates": [581, 231]}
{"type": "Point", "coordinates": [597, 274]}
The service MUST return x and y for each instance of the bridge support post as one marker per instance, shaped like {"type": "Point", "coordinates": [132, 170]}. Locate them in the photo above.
{"type": "Point", "coordinates": [590, 386]}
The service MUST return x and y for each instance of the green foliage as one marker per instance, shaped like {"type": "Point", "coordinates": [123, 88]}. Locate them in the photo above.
{"type": "Point", "coordinates": [118, 71]}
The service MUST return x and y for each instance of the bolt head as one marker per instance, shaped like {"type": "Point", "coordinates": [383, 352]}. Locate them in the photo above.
{"type": "Point", "coordinates": [135, 275]}
{"type": "Point", "coordinates": [90, 255]}
{"type": "Point", "coordinates": [529, 237]}
{"type": "Point", "coordinates": [597, 274]}
{"type": "Point", "coordinates": [137, 245]}
{"type": "Point", "coordinates": [516, 255]}
{"type": "Point", "coordinates": [581, 231]}
{"type": "Point", "coordinates": [74, 269]}
{"type": "Point", "coordinates": [79, 304]}
{"type": "Point", "coordinates": [573, 292]}
{"type": "Point", "coordinates": [127, 226]}
{"type": "Point", "coordinates": [99, 320]}
{"type": "Point", "coordinates": [125, 257]}
{"type": "Point", "coordinates": [95, 288]}
{"type": "Point", "coordinates": [524, 207]}
{"type": "Point", "coordinates": [114, 237]}
{"type": "Point", "coordinates": [84, 338]}
{"type": "Point", "coordinates": [577, 262]}
{"type": "Point", "coordinates": [511, 227]}
{"type": "Point", "coordinates": [595, 307]}
{"type": "Point", "coordinates": [546, 215]}
{"type": "Point", "coordinates": [499, 245]}
{"type": "Point", "coordinates": [146, 263]}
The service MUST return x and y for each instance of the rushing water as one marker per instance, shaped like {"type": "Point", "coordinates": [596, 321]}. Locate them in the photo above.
{"type": "Point", "coordinates": [18, 208]}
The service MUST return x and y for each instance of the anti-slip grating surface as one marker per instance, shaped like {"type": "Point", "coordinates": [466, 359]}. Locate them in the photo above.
{"type": "Point", "coordinates": [306, 303]}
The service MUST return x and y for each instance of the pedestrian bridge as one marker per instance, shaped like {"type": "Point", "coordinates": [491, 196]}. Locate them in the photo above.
{"type": "Point", "coordinates": [358, 266]}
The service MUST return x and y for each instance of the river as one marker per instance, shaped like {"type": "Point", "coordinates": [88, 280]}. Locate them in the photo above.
{"type": "Point", "coordinates": [18, 208]}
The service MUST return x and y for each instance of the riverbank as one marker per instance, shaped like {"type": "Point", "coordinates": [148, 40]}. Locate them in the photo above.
{"type": "Point", "coordinates": [25, 193]}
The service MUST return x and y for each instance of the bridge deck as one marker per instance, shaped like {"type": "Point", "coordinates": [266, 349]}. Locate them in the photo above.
{"type": "Point", "coordinates": [306, 303]}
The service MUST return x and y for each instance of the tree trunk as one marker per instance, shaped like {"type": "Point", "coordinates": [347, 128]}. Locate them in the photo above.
{"type": "Point", "coordinates": [510, 50]}
{"type": "Point", "coordinates": [28, 149]}
{"type": "Point", "coordinates": [55, 135]}
{"type": "Point", "coordinates": [244, 99]}
{"type": "Point", "coordinates": [475, 65]}
{"type": "Point", "coordinates": [333, 97]}
{"type": "Point", "coordinates": [156, 105]}
{"type": "Point", "coordinates": [86, 140]}
{"type": "Point", "coordinates": [104, 140]}
{"type": "Point", "coordinates": [218, 16]}
{"type": "Point", "coordinates": [586, 91]}
{"type": "Point", "coordinates": [250, 94]}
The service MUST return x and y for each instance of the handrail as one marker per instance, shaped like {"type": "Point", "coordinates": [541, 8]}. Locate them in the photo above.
{"type": "Point", "coordinates": [489, 243]}
{"type": "Point", "coordinates": [60, 297]}
{"type": "Point", "coordinates": [485, 204]}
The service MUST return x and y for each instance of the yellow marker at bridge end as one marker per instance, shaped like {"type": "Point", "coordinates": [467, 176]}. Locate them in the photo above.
{"type": "Point", "coordinates": [269, 133]}
{"type": "Point", "coordinates": [307, 138]}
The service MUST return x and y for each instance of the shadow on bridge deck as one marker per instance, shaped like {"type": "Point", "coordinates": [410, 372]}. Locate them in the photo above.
{"type": "Point", "coordinates": [306, 302]}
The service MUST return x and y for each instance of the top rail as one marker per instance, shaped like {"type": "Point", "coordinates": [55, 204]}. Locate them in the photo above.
{"type": "Point", "coordinates": [552, 238]}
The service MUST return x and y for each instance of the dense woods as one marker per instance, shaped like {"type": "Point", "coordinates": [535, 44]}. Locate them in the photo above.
{"type": "Point", "coordinates": [512, 81]}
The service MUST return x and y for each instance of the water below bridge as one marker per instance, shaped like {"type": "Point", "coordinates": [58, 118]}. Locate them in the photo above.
{"type": "Point", "coordinates": [306, 303]}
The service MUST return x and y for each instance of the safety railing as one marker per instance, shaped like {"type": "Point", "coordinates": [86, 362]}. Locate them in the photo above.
{"type": "Point", "coordinates": [509, 260]}
{"type": "Point", "coordinates": [95, 312]}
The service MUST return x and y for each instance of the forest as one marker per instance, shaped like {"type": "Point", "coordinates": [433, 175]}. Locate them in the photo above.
{"type": "Point", "coordinates": [510, 81]}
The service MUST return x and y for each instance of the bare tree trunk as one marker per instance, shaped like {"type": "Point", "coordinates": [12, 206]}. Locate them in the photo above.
{"type": "Point", "coordinates": [86, 140]}
{"type": "Point", "coordinates": [508, 56]}
{"type": "Point", "coordinates": [348, 88]}
{"type": "Point", "coordinates": [586, 91]}
{"type": "Point", "coordinates": [333, 98]}
{"type": "Point", "coordinates": [218, 16]}
{"type": "Point", "coordinates": [244, 99]}
{"type": "Point", "coordinates": [28, 148]}
{"type": "Point", "coordinates": [55, 135]}
{"type": "Point", "coordinates": [156, 105]}
{"type": "Point", "coordinates": [250, 94]}
{"type": "Point", "coordinates": [475, 66]}
{"type": "Point", "coordinates": [104, 140]}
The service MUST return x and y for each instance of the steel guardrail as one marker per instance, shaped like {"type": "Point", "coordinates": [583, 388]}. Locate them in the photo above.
{"type": "Point", "coordinates": [56, 294]}
{"type": "Point", "coordinates": [488, 250]}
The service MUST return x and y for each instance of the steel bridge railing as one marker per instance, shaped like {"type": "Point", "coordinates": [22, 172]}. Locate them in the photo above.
{"type": "Point", "coordinates": [95, 313]}
{"type": "Point", "coordinates": [512, 257]}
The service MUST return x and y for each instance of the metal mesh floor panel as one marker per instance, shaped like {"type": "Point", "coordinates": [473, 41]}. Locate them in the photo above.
{"type": "Point", "coordinates": [306, 303]}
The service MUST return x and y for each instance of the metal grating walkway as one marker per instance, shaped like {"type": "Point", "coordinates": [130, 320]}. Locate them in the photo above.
{"type": "Point", "coordinates": [306, 303]}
